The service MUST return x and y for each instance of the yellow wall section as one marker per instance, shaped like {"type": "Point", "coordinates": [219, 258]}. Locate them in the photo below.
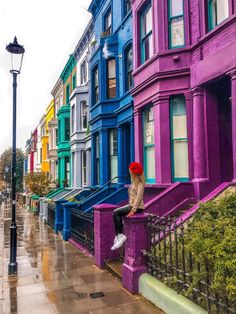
{"type": "Point", "coordinates": [48, 117]}
{"type": "Point", "coordinates": [68, 81]}
{"type": "Point", "coordinates": [49, 113]}
{"type": "Point", "coordinates": [45, 162]}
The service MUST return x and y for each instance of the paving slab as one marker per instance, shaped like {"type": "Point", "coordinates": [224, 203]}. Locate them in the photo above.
{"type": "Point", "coordinates": [55, 277]}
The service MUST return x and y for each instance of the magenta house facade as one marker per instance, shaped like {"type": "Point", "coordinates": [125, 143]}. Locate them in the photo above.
{"type": "Point", "coordinates": [185, 97]}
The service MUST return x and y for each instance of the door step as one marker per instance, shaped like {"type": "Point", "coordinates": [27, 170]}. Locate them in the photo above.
{"type": "Point", "coordinates": [115, 268]}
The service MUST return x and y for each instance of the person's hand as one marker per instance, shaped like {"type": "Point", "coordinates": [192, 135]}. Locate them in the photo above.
{"type": "Point", "coordinates": [131, 213]}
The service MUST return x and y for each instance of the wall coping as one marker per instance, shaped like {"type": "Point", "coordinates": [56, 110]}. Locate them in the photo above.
{"type": "Point", "coordinates": [137, 218]}
{"type": "Point", "coordinates": [104, 207]}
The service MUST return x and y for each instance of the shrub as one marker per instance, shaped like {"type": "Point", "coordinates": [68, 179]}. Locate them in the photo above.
{"type": "Point", "coordinates": [211, 237]}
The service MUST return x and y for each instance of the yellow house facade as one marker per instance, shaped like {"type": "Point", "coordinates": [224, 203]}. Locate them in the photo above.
{"type": "Point", "coordinates": [45, 136]}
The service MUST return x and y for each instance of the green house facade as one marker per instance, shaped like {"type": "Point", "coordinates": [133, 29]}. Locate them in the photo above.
{"type": "Point", "coordinates": [63, 115]}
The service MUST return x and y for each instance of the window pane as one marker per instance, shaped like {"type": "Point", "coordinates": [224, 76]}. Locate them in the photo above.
{"type": "Point", "coordinates": [67, 129]}
{"type": "Point", "coordinates": [96, 94]}
{"type": "Point", "coordinates": [113, 142]}
{"type": "Point", "coordinates": [114, 167]}
{"type": "Point", "coordinates": [150, 163]}
{"type": "Point", "coordinates": [177, 32]}
{"type": "Point", "coordinates": [112, 88]}
{"type": "Point", "coordinates": [179, 127]}
{"type": "Point", "coordinates": [176, 7]}
{"type": "Point", "coordinates": [108, 22]}
{"type": "Point", "coordinates": [181, 159]}
{"type": "Point", "coordinates": [67, 94]}
{"type": "Point", "coordinates": [127, 6]}
{"type": "Point", "coordinates": [148, 47]}
{"type": "Point", "coordinates": [111, 78]}
{"type": "Point", "coordinates": [148, 21]}
{"type": "Point", "coordinates": [178, 106]}
{"type": "Point", "coordinates": [222, 10]}
{"type": "Point", "coordinates": [129, 68]}
{"type": "Point", "coordinates": [67, 174]}
{"type": "Point", "coordinates": [97, 147]}
{"type": "Point", "coordinates": [84, 165]}
{"type": "Point", "coordinates": [96, 77]}
{"type": "Point", "coordinates": [84, 114]}
{"type": "Point", "coordinates": [148, 127]}
{"type": "Point", "coordinates": [111, 68]}
{"type": "Point", "coordinates": [96, 87]}
{"type": "Point", "coordinates": [129, 58]}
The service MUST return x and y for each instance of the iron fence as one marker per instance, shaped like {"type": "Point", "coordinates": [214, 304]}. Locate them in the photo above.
{"type": "Point", "coordinates": [170, 261]}
{"type": "Point", "coordinates": [82, 228]}
{"type": "Point", "coordinates": [51, 214]}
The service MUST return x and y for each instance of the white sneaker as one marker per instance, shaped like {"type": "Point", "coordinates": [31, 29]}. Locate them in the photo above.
{"type": "Point", "coordinates": [121, 240]}
{"type": "Point", "coordinates": [115, 243]}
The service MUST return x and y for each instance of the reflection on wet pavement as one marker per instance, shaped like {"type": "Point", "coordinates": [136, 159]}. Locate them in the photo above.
{"type": "Point", "coordinates": [55, 277]}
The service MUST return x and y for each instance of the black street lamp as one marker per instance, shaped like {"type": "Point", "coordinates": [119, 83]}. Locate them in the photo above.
{"type": "Point", "coordinates": [17, 53]}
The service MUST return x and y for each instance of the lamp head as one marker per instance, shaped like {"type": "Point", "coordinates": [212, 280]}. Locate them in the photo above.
{"type": "Point", "coordinates": [17, 52]}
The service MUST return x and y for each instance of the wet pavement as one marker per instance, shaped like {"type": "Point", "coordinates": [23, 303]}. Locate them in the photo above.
{"type": "Point", "coordinates": [55, 277]}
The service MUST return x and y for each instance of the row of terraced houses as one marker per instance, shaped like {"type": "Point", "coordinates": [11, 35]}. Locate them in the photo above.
{"type": "Point", "coordinates": [148, 81]}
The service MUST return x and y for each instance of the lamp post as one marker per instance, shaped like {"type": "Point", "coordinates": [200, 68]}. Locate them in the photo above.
{"type": "Point", "coordinates": [17, 53]}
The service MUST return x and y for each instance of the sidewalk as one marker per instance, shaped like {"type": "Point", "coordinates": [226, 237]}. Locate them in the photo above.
{"type": "Point", "coordinates": [54, 277]}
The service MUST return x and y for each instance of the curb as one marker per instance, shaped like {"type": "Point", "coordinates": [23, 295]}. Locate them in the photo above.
{"type": "Point", "coordinates": [166, 298]}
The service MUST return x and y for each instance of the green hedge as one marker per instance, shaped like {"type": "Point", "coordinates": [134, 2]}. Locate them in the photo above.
{"type": "Point", "coordinates": [211, 237]}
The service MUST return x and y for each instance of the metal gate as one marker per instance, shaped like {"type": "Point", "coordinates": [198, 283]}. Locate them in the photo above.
{"type": "Point", "coordinates": [51, 214]}
{"type": "Point", "coordinates": [82, 228]}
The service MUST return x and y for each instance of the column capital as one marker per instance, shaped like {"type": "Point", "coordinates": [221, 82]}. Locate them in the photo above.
{"type": "Point", "coordinates": [232, 74]}
{"type": "Point", "coordinates": [196, 91]}
{"type": "Point", "coordinates": [161, 99]}
{"type": "Point", "coordinates": [137, 112]}
{"type": "Point", "coordinates": [188, 95]}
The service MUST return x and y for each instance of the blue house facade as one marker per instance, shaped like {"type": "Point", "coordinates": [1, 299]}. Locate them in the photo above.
{"type": "Point", "coordinates": [112, 127]}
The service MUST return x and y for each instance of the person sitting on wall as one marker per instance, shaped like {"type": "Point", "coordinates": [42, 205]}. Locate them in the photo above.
{"type": "Point", "coordinates": [136, 204]}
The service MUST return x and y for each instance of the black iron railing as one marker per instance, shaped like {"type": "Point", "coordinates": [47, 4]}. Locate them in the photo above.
{"type": "Point", "coordinates": [170, 261]}
{"type": "Point", "coordinates": [82, 228]}
{"type": "Point", "coordinates": [108, 185]}
{"type": "Point", "coordinates": [51, 214]}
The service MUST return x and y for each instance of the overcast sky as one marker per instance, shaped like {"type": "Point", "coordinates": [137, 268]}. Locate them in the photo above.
{"type": "Point", "coordinates": [49, 30]}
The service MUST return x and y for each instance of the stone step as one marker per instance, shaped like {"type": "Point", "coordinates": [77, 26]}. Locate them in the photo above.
{"type": "Point", "coordinates": [115, 268]}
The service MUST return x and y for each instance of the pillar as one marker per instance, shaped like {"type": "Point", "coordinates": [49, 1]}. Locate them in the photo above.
{"type": "Point", "coordinates": [138, 136]}
{"type": "Point", "coordinates": [93, 160]}
{"type": "Point", "coordinates": [132, 156]}
{"type": "Point", "coordinates": [104, 234]}
{"type": "Point", "coordinates": [121, 152]}
{"type": "Point", "coordinates": [199, 136]}
{"type": "Point", "coordinates": [137, 240]}
{"type": "Point", "coordinates": [88, 165]}
{"type": "Point", "coordinates": [67, 219]}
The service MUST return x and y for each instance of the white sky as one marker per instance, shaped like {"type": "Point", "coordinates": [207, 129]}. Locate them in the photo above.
{"type": "Point", "coordinates": [49, 30]}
